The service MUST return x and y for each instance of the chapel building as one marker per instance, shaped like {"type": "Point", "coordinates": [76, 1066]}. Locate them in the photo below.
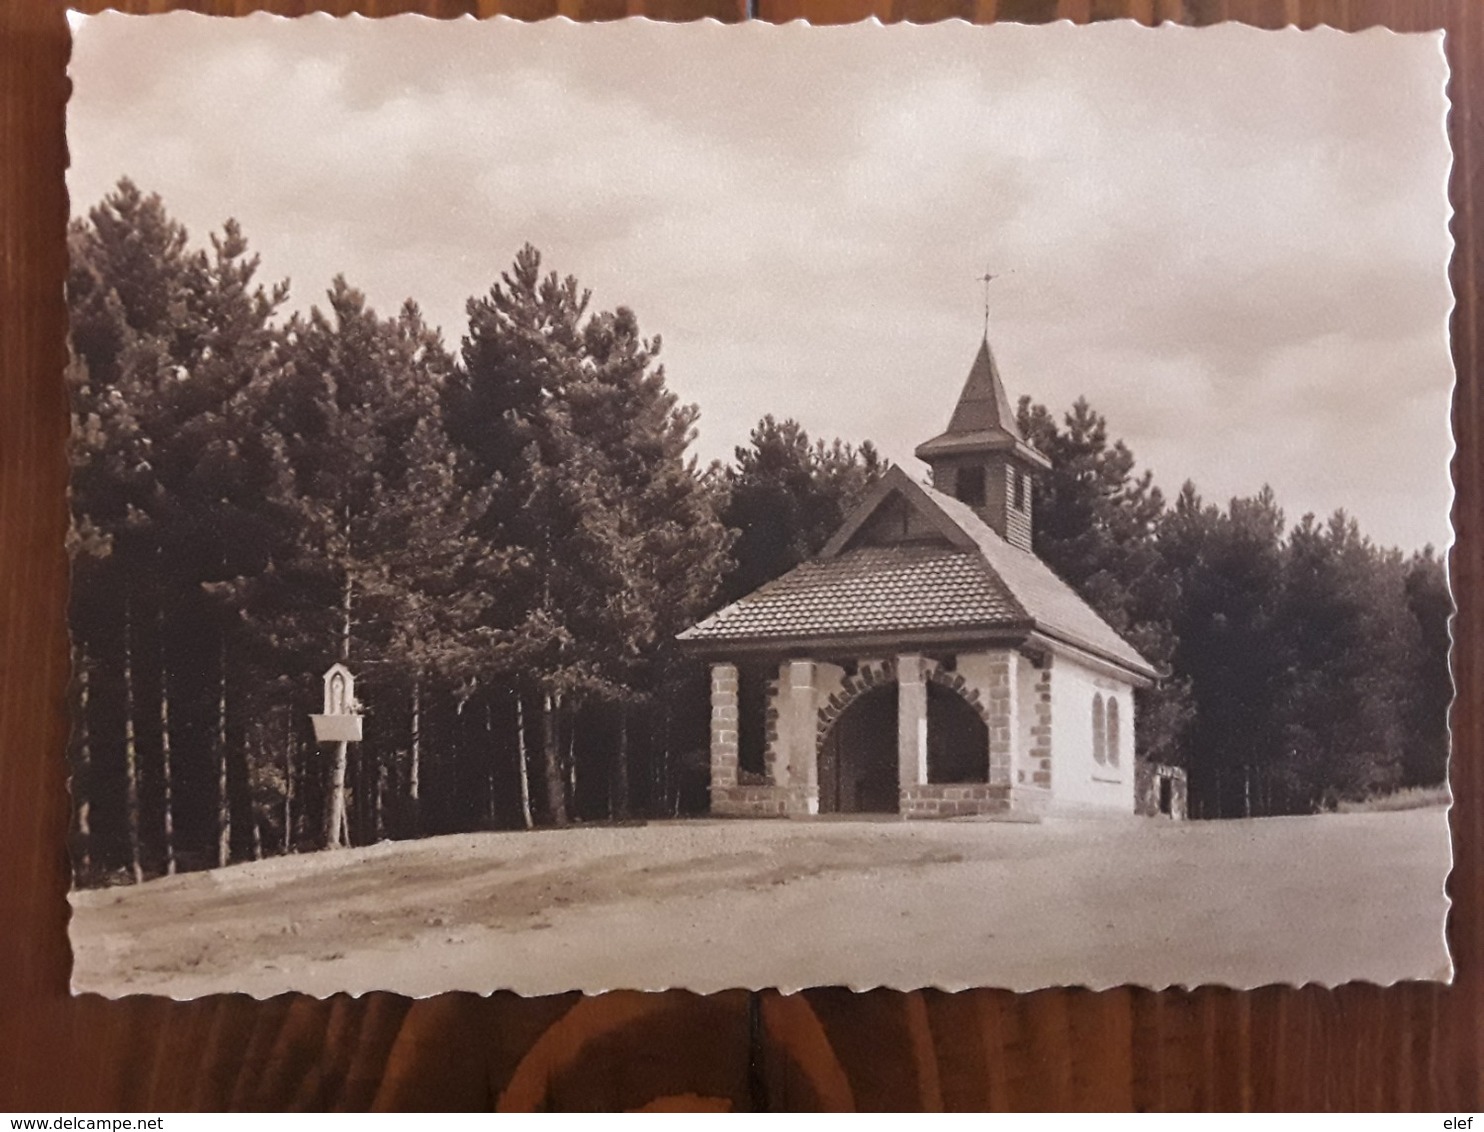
{"type": "Point", "coordinates": [926, 663]}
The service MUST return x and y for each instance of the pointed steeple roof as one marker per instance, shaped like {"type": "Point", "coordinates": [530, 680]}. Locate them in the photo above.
{"type": "Point", "coordinates": [983, 405]}
{"type": "Point", "coordinates": [983, 420]}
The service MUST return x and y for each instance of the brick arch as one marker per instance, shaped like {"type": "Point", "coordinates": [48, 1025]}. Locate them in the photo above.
{"type": "Point", "coordinates": [877, 673]}
{"type": "Point", "coordinates": [954, 682]}
{"type": "Point", "coordinates": [870, 676]}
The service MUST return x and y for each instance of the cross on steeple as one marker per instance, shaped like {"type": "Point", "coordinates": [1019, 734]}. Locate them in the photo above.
{"type": "Point", "coordinates": [987, 278]}
{"type": "Point", "coordinates": [983, 459]}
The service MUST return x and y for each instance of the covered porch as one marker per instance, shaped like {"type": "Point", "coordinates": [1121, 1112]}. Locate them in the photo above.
{"type": "Point", "coordinates": [913, 735]}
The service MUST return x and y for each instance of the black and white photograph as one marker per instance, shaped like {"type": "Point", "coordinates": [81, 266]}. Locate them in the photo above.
{"type": "Point", "coordinates": [634, 506]}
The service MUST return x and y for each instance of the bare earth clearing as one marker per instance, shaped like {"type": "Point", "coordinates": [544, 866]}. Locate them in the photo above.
{"type": "Point", "coordinates": [715, 904]}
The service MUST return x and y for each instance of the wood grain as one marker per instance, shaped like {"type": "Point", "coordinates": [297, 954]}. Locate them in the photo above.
{"type": "Point", "coordinates": [1403, 1047]}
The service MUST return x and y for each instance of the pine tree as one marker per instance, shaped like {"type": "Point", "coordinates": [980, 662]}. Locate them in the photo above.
{"type": "Point", "coordinates": [521, 352]}
{"type": "Point", "coordinates": [1096, 525]}
{"type": "Point", "coordinates": [163, 339]}
{"type": "Point", "coordinates": [661, 534]}
{"type": "Point", "coordinates": [1352, 645]}
{"type": "Point", "coordinates": [381, 572]}
{"type": "Point", "coordinates": [1430, 687]}
{"type": "Point", "coordinates": [786, 495]}
{"type": "Point", "coordinates": [613, 536]}
{"type": "Point", "coordinates": [1094, 518]}
{"type": "Point", "coordinates": [1223, 574]}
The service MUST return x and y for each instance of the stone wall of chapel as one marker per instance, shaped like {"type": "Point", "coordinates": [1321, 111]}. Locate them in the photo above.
{"type": "Point", "coordinates": [1148, 780]}
{"type": "Point", "coordinates": [835, 689]}
{"type": "Point", "coordinates": [723, 734]}
{"type": "Point", "coordinates": [989, 679]}
{"type": "Point", "coordinates": [1018, 700]}
{"type": "Point", "coordinates": [770, 736]}
{"type": "Point", "coordinates": [1033, 747]}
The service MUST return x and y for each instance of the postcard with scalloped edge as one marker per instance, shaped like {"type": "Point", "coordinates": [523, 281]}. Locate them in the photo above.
{"type": "Point", "coordinates": [568, 506]}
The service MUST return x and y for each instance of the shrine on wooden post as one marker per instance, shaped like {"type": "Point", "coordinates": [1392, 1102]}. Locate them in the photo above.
{"type": "Point", "coordinates": [339, 723]}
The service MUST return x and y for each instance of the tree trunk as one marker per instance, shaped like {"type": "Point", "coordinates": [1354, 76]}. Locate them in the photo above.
{"type": "Point", "coordinates": [166, 771]}
{"type": "Point", "coordinates": [380, 787]}
{"type": "Point", "coordinates": [620, 805]}
{"type": "Point", "coordinates": [520, 758]}
{"type": "Point", "coordinates": [131, 748]}
{"type": "Point", "coordinates": [551, 761]}
{"type": "Point", "coordinates": [671, 796]}
{"type": "Point", "coordinates": [414, 770]}
{"type": "Point", "coordinates": [488, 754]}
{"type": "Point", "coordinates": [253, 752]}
{"type": "Point", "coordinates": [288, 783]}
{"type": "Point", "coordinates": [569, 761]}
{"type": "Point", "coordinates": [223, 800]}
{"type": "Point", "coordinates": [345, 621]}
{"type": "Point", "coordinates": [335, 831]}
{"type": "Point", "coordinates": [81, 784]}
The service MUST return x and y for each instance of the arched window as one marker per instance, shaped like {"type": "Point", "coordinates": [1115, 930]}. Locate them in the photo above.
{"type": "Point", "coordinates": [1099, 729]}
{"type": "Point", "coordinates": [1113, 730]}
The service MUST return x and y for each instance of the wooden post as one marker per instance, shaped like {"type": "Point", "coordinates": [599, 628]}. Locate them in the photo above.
{"type": "Point", "coordinates": [335, 812]}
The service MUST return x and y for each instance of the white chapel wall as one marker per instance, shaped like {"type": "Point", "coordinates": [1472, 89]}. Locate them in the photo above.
{"type": "Point", "coordinates": [1077, 778]}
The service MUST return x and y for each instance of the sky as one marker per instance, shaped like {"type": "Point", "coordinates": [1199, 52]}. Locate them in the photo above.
{"type": "Point", "coordinates": [1232, 242]}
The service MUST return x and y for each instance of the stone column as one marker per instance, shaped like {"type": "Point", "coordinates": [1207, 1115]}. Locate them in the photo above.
{"type": "Point", "coordinates": [723, 734]}
{"type": "Point", "coordinates": [797, 764]}
{"type": "Point", "coordinates": [912, 723]}
{"type": "Point", "coordinates": [1004, 718]}
{"type": "Point", "coordinates": [1040, 753]}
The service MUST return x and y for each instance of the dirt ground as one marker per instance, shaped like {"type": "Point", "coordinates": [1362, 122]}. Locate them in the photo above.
{"type": "Point", "coordinates": [715, 904]}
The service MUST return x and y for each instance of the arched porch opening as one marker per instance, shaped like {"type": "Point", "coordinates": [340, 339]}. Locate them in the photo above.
{"type": "Point", "coordinates": [957, 738]}
{"type": "Point", "coordinates": [858, 757]}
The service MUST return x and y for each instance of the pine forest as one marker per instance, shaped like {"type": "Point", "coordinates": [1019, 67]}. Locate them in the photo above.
{"type": "Point", "coordinates": [503, 537]}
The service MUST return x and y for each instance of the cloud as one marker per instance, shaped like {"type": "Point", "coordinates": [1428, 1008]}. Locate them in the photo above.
{"type": "Point", "coordinates": [1233, 242]}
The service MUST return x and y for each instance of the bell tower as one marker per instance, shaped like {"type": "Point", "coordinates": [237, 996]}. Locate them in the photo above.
{"type": "Point", "coordinates": [982, 459]}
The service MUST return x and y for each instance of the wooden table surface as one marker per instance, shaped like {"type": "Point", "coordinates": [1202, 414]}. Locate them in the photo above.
{"type": "Point", "coordinates": [1365, 1047]}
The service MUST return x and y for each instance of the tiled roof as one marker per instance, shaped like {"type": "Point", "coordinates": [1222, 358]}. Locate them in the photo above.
{"type": "Point", "coordinates": [1053, 605]}
{"type": "Point", "coordinates": [982, 582]}
{"type": "Point", "coordinates": [869, 590]}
